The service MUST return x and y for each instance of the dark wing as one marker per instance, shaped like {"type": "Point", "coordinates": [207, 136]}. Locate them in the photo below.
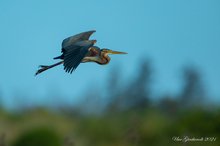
{"type": "Point", "coordinates": [74, 55]}
{"type": "Point", "coordinates": [76, 38]}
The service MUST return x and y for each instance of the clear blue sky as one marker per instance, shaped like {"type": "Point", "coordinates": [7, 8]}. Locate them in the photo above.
{"type": "Point", "coordinates": [171, 33]}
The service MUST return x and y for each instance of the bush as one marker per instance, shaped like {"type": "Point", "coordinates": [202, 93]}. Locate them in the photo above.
{"type": "Point", "coordinates": [38, 137]}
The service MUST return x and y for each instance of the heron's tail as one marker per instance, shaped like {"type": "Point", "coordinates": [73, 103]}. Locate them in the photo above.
{"type": "Point", "coordinates": [45, 67]}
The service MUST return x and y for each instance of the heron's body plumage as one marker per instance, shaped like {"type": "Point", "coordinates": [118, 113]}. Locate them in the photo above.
{"type": "Point", "coordinates": [79, 49]}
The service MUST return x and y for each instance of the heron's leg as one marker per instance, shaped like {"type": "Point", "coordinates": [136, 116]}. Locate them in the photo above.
{"type": "Point", "coordinates": [45, 67]}
{"type": "Point", "coordinates": [42, 66]}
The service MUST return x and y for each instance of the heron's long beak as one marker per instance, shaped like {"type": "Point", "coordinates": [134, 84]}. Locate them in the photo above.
{"type": "Point", "coordinates": [116, 52]}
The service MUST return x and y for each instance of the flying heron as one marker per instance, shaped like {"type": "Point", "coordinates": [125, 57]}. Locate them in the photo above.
{"type": "Point", "coordinates": [79, 49]}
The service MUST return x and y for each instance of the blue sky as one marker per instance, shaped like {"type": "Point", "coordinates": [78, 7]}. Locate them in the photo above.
{"type": "Point", "coordinates": [171, 33]}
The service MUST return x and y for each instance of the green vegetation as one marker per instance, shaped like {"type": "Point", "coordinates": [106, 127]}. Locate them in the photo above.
{"type": "Point", "coordinates": [38, 137]}
{"type": "Point", "coordinates": [129, 117]}
{"type": "Point", "coordinates": [128, 128]}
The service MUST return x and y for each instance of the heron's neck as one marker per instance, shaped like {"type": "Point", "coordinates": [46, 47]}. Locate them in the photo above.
{"type": "Point", "coordinates": [104, 59]}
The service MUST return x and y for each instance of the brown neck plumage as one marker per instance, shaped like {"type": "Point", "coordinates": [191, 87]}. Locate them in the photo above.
{"type": "Point", "coordinates": [104, 59]}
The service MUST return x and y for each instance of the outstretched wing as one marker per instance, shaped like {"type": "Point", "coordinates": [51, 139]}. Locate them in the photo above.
{"type": "Point", "coordinates": [74, 55]}
{"type": "Point", "coordinates": [76, 38]}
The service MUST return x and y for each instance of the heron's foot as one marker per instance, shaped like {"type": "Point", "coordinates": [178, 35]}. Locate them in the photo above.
{"type": "Point", "coordinates": [42, 68]}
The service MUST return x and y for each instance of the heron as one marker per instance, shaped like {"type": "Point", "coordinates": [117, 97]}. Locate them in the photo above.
{"type": "Point", "coordinates": [78, 49]}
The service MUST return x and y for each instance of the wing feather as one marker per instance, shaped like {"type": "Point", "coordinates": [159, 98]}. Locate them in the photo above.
{"type": "Point", "coordinates": [76, 38]}
{"type": "Point", "coordinates": [74, 55]}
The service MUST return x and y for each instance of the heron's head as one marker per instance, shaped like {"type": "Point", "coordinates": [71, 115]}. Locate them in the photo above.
{"type": "Point", "coordinates": [108, 51]}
